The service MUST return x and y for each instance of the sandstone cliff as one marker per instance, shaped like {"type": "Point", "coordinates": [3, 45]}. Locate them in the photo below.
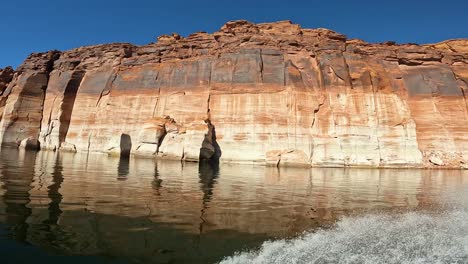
{"type": "Point", "coordinates": [270, 93]}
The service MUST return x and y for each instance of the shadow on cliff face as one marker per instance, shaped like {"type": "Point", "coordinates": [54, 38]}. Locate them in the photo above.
{"type": "Point", "coordinates": [210, 149]}
{"type": "Point", "coordinates": [124, 161]}
{"type": "Point", "coordinates": [68, 103]}
{"type": "Point", "coordinates": [125, 146]}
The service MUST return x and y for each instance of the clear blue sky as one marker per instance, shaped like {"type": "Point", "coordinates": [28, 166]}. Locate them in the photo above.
{"type": "Point", "coordinates": [33, 25]}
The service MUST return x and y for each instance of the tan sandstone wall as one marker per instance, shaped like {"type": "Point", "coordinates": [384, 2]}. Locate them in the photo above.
{"type": "Point", "coordinates": [270, 93]}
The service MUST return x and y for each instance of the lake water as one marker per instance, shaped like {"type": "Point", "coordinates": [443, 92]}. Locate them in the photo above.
{"type": "Point", "coordinates": [75, 208]}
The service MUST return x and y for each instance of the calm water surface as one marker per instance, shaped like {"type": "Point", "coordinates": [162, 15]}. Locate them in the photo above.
{"type": "Point", "coordinates": [92, 208]}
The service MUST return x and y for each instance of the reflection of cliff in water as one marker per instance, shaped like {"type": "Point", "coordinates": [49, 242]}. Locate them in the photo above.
{"type": "Point", "coordinates": [208, 171]}
{"type": "Point", "coordinates": [123, 168]}
{"type": "Point", "coordinates": [83, 230]}
{"type": "Point", "coordinates": [165, 211]}
{"type": "Point", "coordinates": [17, 176]}
{"type": "Point", "coordinates": [53, 192]}
{"type": "Point", "coordinates": [157, 182]}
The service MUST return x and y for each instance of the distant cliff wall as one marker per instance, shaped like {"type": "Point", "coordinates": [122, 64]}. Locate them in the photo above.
{"type": "Point", "coordinates": [271, 93]}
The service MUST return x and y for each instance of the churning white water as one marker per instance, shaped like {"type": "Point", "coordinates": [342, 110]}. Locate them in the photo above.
{"type": "Point", "coordinates": [413, 237]}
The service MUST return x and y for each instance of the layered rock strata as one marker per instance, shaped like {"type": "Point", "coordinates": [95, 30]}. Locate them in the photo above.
{"type": "Point", "coordinates": [272, 93]}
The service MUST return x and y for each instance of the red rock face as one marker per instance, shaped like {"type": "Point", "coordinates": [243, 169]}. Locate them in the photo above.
{"type": "Point", "coordinates": [6, 76]}
{"type": "Point", "coordinates": [271, 93]}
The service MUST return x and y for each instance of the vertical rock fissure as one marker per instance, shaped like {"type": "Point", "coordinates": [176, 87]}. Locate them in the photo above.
{"type": "Point", "coordinates": [320, 73]}
{"type": "Point", "coordinates": [314, 119]}
{"type": "Point", "coordinates": [349, 79]}
{"type": "Point", "coordinates": [376, 93]}
{"type": "Point", "coordinates": [107, 88]}
{"type": "Point", "coordinates": [209, 93]}
{"type": "Point", "coordinates": [321, 84]}
{"type": "Point", "coordinates": [337, 75]}
{"type": "Point", "coordinates": [261, 66]}
{"type": "Point", "coordinates": [89, 141]}
{"type": "Point", "coordinates": [210, 149]}
{"type": "Point", "coordinates": [464, 97]}
{"type": "Point", "coordinates": [285, 74]}
{"type": "Point", "coordinates": [66, 108]}
{"type": "Point", "coordinates": [371, 80]}
{"type": "Point", "coordinates": [49, 121]}
{"type": "Point", "coordinates": [208, 114]}
{"type": "Point", "coordinates": [41, 109]}
{"type": "Point", "coordinates": [296, 116]}
{"type": "Point", "coordinates": [159, 94]}
{"type": "Point", "coordinates": [316, 110]}
{"type": "Point", "coordinates": [462, 90]}
{"type": "Point", "coordinates": [49, 69]}
{"type": "Point", "coordinates": [210, 73]}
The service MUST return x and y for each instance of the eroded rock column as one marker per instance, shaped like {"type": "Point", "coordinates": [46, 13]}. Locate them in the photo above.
{"type": "Point", "coordinates": [22, 115]}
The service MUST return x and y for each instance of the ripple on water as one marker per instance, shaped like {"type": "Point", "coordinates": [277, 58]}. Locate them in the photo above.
{"type": "Point", "coordinates": [412, 237]}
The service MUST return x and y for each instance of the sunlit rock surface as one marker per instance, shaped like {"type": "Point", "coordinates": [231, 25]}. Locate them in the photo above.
{"type": "Point", "coordinates": [273, 94]}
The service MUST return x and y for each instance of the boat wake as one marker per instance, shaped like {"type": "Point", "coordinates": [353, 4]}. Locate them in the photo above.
{"type": "Point", "coordinates": [412, 237]}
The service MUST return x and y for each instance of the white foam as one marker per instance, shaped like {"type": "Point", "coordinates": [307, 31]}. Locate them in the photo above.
{"type": "Point", "coordinates": [412, 237]}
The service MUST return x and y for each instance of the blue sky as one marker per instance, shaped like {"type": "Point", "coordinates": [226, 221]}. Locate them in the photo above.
{"type": "Point", "coordinates": [33, 26]}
